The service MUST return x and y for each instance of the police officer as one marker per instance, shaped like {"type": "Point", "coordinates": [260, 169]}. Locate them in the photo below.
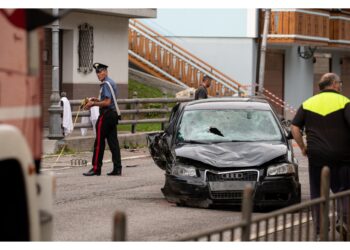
{"type": "Point", "coordinates": [106, 123]}
{"type": "Point", "coordinates": [326, 118]}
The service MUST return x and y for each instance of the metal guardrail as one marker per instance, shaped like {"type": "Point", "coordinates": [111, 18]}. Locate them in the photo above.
{"type": "Point", "coordinates": [292, 223]}
{"type": "Point", "coordinates": [134, 111]}
{"type": "Point", "coordinates": [287, 224]}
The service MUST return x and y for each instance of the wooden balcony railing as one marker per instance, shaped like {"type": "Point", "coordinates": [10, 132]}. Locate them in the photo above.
{"type": "Point", "coordinates": [340, 29]}
{"type": "Point", "coordinates": [163, 58]}
{"type": "Point", "coordinates": [322, 27]}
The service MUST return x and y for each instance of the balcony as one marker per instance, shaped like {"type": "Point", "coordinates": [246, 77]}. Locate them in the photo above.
{"type": "Point", "coordinates": [340, 29]}
{"type": "Point", "coordinates": [314, 27]}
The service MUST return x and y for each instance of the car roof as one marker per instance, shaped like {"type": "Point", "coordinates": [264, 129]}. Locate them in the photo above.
{"type": "Point", "coordinates": [229, 103]}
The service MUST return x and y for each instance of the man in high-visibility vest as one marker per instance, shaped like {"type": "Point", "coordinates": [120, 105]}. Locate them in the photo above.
{"type": "Point", "coordinates": [326, 118]}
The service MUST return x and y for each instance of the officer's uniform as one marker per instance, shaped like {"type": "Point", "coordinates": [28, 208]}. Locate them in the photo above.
{"type": "Point", "coordinates": [106, 129]}
{"type": "Point", "coordinates": [326, 118]}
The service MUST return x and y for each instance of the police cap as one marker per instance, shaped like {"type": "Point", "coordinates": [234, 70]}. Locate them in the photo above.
{"type": "Point", "coordinates": [99, 66]}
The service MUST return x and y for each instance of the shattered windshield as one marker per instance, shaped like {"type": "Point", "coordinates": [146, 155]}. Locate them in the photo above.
{"type": "Point", "coordinates": [228, 125]}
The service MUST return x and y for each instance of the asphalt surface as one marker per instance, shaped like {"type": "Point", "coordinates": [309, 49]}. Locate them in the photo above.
{"type": "Point", "coordinates": [84, 207]}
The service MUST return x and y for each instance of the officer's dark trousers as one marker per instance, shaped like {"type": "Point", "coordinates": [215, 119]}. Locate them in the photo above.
{"type": "Point", "coordinates": [339, 181]}
{"type": "Point", "coordinates": [106, 129]}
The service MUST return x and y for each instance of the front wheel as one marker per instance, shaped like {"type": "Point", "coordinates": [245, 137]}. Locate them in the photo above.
{"type": "Point", "coordinates": [180, 204]}
{"type": "Point", "coordinates": [298, 199]}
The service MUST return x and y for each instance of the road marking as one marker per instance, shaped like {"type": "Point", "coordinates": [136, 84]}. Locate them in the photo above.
{"type": "Point", "coordinates": [55, 169]}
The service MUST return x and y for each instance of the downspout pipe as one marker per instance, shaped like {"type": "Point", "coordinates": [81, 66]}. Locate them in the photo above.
{"type": "Point", "coordinates": [55, 110]}
{"type": "Point", "coordinates": [263, 51]}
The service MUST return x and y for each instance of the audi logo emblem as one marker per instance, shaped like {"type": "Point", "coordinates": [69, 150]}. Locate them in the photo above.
{"type": "Point", "coordinates": [233, 176]}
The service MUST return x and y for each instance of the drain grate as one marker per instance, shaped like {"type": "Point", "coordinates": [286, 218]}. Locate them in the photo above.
{"type": "Point", "coordinates": [78, 163]}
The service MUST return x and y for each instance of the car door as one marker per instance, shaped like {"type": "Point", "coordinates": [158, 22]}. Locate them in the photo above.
{"type": "Point", "coordinates": [156, 148]}
{"type": "Point", "coordinates": [160, 143]}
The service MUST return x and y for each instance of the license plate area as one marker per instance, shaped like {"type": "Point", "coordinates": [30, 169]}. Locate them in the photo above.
{"type": "Point", "coordinates": [230, 185]}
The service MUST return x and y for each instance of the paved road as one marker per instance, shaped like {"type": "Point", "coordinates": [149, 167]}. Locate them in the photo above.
{"type": "Point", "coordinates": [84, 206]}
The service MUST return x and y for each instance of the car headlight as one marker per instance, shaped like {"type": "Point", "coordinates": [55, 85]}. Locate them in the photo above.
{"type": "Point", "coordinates": [183, 170]}
{"type": "Point", "coordinates": [281, 169]}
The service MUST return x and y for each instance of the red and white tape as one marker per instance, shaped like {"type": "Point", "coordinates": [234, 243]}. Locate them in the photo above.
{"type": "Point", "coordinates": [278, 101]}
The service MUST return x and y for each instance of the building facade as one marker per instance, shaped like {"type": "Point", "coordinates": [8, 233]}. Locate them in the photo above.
{"type": "Point", "coordinates": [225, 38]}
{"type": "Point", "coordinates": [308, 43]}
{"type": "Point", "coordinates": [88, 36]}
{"type": "Point", "coordinates": [302, 45]}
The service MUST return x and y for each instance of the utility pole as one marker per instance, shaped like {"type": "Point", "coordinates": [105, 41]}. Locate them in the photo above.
{"type": "Point", "coordinates": [55, 110]}
{"type": "Point", "coordinates": [263, 51]}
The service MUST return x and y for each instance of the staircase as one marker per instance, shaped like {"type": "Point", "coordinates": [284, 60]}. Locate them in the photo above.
{"type": "Point", "coordinates": [166, 60]}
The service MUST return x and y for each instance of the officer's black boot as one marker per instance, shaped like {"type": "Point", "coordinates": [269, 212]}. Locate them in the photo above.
{"type": "Point", "coordinates": [91, 172]}
{"type": "Point", "coordinates": [116, 171]}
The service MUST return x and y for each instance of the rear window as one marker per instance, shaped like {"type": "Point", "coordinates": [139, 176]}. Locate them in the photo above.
{"type": "Point", "coordinates": [228, 125]}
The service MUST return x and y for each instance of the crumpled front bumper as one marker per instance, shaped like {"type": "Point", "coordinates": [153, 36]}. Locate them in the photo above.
{"type": "Point", "coordinates": [271, 191]}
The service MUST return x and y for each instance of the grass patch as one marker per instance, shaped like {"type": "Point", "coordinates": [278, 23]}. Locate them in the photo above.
{"type": "Point", "coordinates": [144, 91]}
{"type": "Point", "coordinates": [66, 150]}
{"type": "Point", "coordinates": [147, 127]}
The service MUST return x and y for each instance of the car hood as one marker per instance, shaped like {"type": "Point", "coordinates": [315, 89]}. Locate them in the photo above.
{"type": "Point", "coordinates": [232, 154]}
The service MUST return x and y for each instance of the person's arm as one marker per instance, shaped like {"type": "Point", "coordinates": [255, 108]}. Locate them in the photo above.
{"type": "Point", "coordinates": [104, 103]}
{"type": "Point", "coordinates": [347, 113]}
{"type": "Point", "coordinates": [297, 124]}
{"type": "Point", "coordinates": [101, 103]}
{"type": "Point", "coordinates": [298, 137]}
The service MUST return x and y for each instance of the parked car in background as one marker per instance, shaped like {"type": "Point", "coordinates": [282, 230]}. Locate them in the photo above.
{"type": "Point", "coordinates": [213, 148]}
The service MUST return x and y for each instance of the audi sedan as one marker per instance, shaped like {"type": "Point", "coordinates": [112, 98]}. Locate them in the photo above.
{"type": "Point", "coordinates": [213, 148]}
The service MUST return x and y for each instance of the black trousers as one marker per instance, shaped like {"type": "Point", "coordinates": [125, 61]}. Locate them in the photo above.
{"type": "Point", "coordinates": [339, 181]}
{"type": "Point", "coordinates": [106, 129]}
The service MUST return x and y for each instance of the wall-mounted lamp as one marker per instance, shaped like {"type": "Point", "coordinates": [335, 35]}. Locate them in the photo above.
{"type": "Point", "coordinates": [306, 52]}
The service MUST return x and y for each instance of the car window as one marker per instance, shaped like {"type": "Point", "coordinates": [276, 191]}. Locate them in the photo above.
{"type": "Point", "coordinates": [173, 118]}
{"type": "Point", "coordinates": [228, 125]}
{"type": "Point", "coordinates": [174, 111]}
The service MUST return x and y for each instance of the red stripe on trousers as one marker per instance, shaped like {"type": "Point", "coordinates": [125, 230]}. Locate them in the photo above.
{"type": "Point", "coordinates": [98, 134]}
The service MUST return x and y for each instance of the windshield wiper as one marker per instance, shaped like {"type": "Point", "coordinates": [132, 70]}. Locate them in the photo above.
{"type": "Point", "coordinates": [194, 142]}
{"type": "Point", "coordinates": [217, 142]}
{"type": "Point", "coordinates": [215, 131]}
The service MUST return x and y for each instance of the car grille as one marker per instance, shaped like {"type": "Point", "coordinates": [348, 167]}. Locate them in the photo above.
{"type": "Point", "coordinates": [227, 195]}
{"type": "Point", "coordinates": [233, 176]}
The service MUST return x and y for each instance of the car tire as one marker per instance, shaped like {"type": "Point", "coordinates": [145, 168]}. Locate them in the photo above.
{"type": "Point", "coordinates": [181, 204]}
{"type": "Point", "coordinates": [298, 199]}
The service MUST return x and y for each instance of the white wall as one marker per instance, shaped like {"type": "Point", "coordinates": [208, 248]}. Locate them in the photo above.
{"type": "Point", "coordinates": [110, 46]}
{"type": "Point", "coordinates": [233, 56]}
{"type": "Point", "coordinates": [298, 78]}
{"type": "Point", "coordinates": [336, 67]}
{"type": "Point", "coordinates": [224, 38]}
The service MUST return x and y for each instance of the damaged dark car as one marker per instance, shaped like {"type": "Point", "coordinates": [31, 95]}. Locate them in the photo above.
{"type": "Point", "coordinates": [213, 148]}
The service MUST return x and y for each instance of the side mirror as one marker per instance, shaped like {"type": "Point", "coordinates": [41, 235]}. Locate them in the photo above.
{"type": "Point", "coordinates": [286, 123]}
{"type": "Point", "coordinates": [289, 135]}
{"type": "Point", "coordinates": [286, 126]}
